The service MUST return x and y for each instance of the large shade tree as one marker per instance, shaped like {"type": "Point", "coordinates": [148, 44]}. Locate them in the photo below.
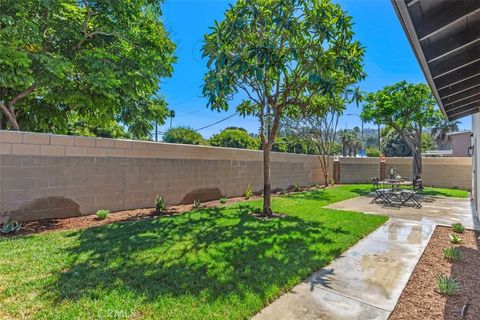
{"type": "Point", "coordinates": [281, 55]}
{"type": "Point", "coordinates": [97, 61]}
{"type": "Point", "coordinates": [408, 109]}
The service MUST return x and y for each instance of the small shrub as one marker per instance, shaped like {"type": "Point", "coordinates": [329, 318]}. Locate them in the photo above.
{"type": "Point", "coordinates": [10, 227]}
{"type": "Point", "coordinates": [452, 254]}
{"type": "Point", "coordinates": [223, 200]}
{"type": "Point", "coordinates": [102, 214]}
{"type": "Point", "coordinates": [196, 204]}
{"type": "Point", "coordinates": [458, 228]}
{"type": "Point", "coordinates": [160, 204]}
{"type": "Point", "coordinates": [248, 192]}
{"type": "Point", "coordinates": [447, 286]}
{"type": "Point", "coordinates": [455, 239]}
{"type": "Point", "coordinates": [372, 152]}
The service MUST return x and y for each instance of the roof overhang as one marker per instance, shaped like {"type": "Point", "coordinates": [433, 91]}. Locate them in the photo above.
{"type": "Point", "coordinates": [445, 36]}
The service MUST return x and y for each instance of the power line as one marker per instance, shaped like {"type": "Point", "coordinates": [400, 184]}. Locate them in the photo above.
{"type": "Point", "coordinates": [224, 119]}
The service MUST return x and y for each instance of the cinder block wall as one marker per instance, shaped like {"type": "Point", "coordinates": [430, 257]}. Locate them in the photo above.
{"type": "Point", "coordinates": [358, 170]}
{"type": "Point", "coordinates": [447, 172]}
{"type": "Point", "coordinates": [53, 176]}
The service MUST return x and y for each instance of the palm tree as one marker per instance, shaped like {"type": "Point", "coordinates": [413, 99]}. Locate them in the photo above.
{"type": "Point", "coordinates": [356, 144]}
{"type": "Point", "coordinates": [351, 143]}
{"type": "Point", "coordinates": [440, 133]}
{"type": "Point", "coordinates": [345, 139]}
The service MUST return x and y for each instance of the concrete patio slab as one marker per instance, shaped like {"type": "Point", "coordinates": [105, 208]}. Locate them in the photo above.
{"type": "Point", "coordinates": [364, 283]}
{"type": "Point", "coordinates": [367, 280]}
{"type": "Point", "coordinates": [307, 302]}
{"type": "Point", "coordinates": [434, 210]}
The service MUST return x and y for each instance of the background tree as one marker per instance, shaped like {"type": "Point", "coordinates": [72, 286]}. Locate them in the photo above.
{"type": "Point", "coordinates": [234, 138]}
{"type": "Point", "coordinates": [345, 140]}
{"type": "Point", "coordinates": [350, 142]}
{"type": "Point", "coordinates": [320, 126]}
{"type": "Point", "coordinates": [440, 133]}
{"type": "Point", "coordinates": [408, 109]}
{"type": "Point", "coordinates": [393, 144]}
{"type": "Point", "coordinates": [280, 54]}
{"type": "Point", "coordinates": [236, 128]}
{"type": "Point", "coordinates": [98, 61]}
{"type": "Point", "coordinates": [286, 142]}
{"type": "Point", "coordinates": [372, 152]}
{"type": "Point", "coordinates": [183, 135]}
{"type": "Point", "coordinates": [356, 143]}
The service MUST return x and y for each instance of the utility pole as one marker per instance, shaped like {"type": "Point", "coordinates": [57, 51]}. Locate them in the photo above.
{"type": "Point", "coordinates": [172, 115]}
{"type": "Point", "coordinates": [379, 135]}
{"type": "Point", "coordinates": [156, 130]}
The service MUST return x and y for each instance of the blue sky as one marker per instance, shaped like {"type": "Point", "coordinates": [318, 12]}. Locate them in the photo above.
{"type": "Point", "coordinates": [388, 59]}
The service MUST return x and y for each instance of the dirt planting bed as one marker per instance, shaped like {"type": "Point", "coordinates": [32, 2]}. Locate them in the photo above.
{"type": "Point", "coordinates": [88, 221]}
{"type": "Point", "coordinates": [421, 299]}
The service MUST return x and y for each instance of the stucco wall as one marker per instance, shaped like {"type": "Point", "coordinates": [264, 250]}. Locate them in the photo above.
{"type": "Point", "coordinates": [48, 176]}
{"type": "Point", "coordinates": [460, 143]}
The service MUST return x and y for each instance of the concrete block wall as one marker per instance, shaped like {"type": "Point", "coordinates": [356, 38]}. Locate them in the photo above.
{"type": "Point", "coordinates": [446, 172]}
{"type": "Point", "coordinates": [54, 176]}
{"type": "Point", "coordinates": [358, 170]}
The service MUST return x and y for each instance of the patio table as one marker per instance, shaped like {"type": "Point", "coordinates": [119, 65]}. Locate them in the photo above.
{"type": "Point", "coordinates": [395, 192]}
{"type": "Point", "coordinates": [396, 184]}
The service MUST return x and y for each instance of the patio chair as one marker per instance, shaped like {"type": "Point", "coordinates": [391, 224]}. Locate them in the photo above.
{"type": "Point", "coordinates": [410, 196]}
{"type": "Point", "coordinates": [382, 195]}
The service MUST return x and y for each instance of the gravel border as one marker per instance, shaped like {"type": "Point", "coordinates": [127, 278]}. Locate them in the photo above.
{"type": "Point", "coordinates": [420, 299]}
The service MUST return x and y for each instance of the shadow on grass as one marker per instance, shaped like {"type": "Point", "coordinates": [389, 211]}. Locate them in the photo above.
{"type": "Point", "coordinates": [329, 197]}
{"type": "Point", "coordinates": [208, 254]}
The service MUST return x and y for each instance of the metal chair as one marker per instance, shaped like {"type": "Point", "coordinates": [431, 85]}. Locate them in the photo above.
{"type": "Point", "coordinates": [382, 195]}
{"type": "Point", "coordinates": [410, 195]}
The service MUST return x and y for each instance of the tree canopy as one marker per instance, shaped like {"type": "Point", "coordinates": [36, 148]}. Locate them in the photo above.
{"type": "Point", "coordinates": [183, 135]}
{"type": "Point", "coordinates": [281, 55]}
{"type": "Point", "coordinates": [97, 61]}
{"type": "Point", "coordinates": [408, 109]}
{"type": "Point", "coordinates": [234, 138]}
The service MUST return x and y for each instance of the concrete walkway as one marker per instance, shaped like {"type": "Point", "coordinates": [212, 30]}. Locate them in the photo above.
{"type": "Point", "coordinates": [367, 280]}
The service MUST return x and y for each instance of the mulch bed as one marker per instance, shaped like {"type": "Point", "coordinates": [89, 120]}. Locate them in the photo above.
{"type": "Point", "coordinates": [420, 299]}
{"type": "Point", "coordinates": [88, 221]}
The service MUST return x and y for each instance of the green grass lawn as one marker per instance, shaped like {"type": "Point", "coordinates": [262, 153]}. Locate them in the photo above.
{"type": "Point", "coordinates": [445, 192]}
{"type": "Point", "coordinates": [209, 263]}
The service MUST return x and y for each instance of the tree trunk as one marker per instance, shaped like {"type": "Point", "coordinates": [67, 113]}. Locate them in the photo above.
{"type": "Point", "coordinates": [10, 117]}
{"type": "Point", "coordinates": [267, 210]}
{"type": "Point", "coordinates": [324, 164]}
{"type": "Point", "coordinates": [13, 123]}
{"type": "Point", "coordinates": [415, 145]}
{"type": "Point", "coordinates": [417, 163]}
{"type": "Point", "coordinates": [418, 155]}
